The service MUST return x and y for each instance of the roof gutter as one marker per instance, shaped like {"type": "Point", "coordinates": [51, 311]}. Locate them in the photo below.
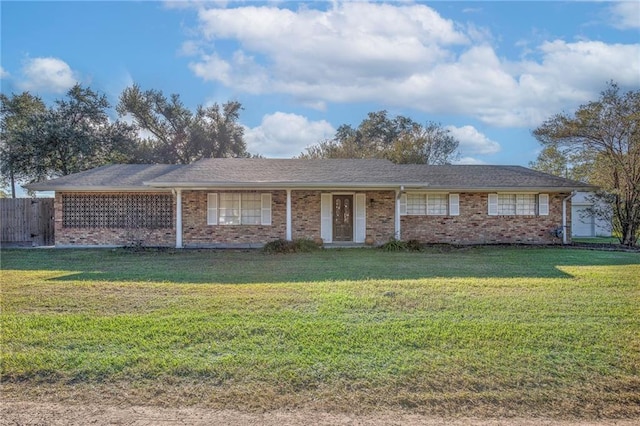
{"type": "Point", "coordinates": [270, 185]}
{"type": "Point", "coordinates": [350, 185]}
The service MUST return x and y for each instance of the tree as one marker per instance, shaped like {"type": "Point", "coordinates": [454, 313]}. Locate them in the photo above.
{"type": "Point", "coordinates": [74, 134]}
{"type": "Point", "coordinates": [552, 160]}
{"type": "Point", "coordinates": [178, 136]}
{"type": "Point", "coordinates": [15, 157]}
{"type": "Point", "coordinates": [605, 134]}
{"type": "Point", "coordinates": [398, 139]}
{"type": "Point", "coordinates": [430, 144]}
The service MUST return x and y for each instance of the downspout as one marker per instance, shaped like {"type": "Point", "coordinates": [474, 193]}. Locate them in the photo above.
{"type": "Point", "coordinates": [178, 194]}
{"type": "Point", "coordinates": [564, 216]}
{"type": "Point", "coordinates": [288, 231]}
{"type": "Point", "coordinates": [397, 221]}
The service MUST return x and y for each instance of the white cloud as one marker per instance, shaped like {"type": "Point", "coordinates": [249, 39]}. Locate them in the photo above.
{"type": "Point", "coordinates": [48, 75]}
{"type": "Point", "coordinates": [241, 72]}
{"type": "Point", "coordinates": [469, 160]}
{"type": "Point", "coordinates": [472, 141]}
{"type": "Point", "coordinates": [142, 133]}
{"type": "Point", "coordinates": [190, 48]}
{"type": "Point", "coordinates": [402, 55]}
{"type": "Point", "coordinates": [625, 15]}
{"type": "Point", "coordinates": [282, 135]}
{"type": "Point", "coordinates": [307, 49]}
{"type": "Point", "coordinates": [3, 73]}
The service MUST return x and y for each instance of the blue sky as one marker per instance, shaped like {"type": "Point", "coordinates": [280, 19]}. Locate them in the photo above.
{"type": "Point", "coordinates": [488, 71]}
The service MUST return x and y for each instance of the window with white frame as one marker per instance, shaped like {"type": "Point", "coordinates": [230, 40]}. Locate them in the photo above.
{"type": "Point", "coordinates": [506, 204]}
{"type": "Point", "coordinates": [235, 208]}
{"type": "Point", "coordinates": [229, 209]}
{"type": "Point", "coordinates": [437, 204]}
{"type": "Point", "coordinates": [251, 209]}
{"type": "Point", "coordinates": [518, 204]}
{"type": "Point", "coordinates": [427, 204]}
{"type": "Point", "coordinates": [417, 204]}
{"type": "Point", "coordinates": [526, 204]}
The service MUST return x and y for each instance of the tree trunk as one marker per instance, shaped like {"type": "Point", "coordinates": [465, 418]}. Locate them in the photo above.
{"type": "Point", "coordinates": [13, 184]}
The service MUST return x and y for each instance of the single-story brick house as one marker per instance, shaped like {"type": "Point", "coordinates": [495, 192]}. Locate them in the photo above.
{"type": "Point", "coordinates": [249, 202]}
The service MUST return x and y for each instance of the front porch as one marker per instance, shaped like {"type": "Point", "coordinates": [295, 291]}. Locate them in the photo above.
{"type": "Point", "coordinates": [340, 218]}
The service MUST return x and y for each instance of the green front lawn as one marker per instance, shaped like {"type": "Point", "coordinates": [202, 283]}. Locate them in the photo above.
{"type": "Point", "coordinates": [614, 241]}
{"type": "Point", "coordinates": [476, 331]}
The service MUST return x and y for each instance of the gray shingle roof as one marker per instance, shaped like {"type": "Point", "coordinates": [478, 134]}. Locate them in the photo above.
{"type": "Point", "coordinates": [295, 173]}
{"type": "Point", "coordinates": [274, 171]}
{"type": "Point", "coordinates": [357, 173]}
{"type": "Point", "coordinates": [115, 176]}
{"type": "Point", "coordinates": [483, 177]}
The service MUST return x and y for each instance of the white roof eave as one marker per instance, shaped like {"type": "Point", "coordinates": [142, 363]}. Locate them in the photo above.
{"type": "Point", "coordinates": [275, 185]}
{"type": "Point", "coordinates": [347, 185]}
{"type": "Point", "coordinates": [168, 186]}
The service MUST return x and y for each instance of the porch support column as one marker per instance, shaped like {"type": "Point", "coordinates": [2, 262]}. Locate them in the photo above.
{"type": "Point", "coordinates": [288, 232]}
{"type": "Point", "coordinates": [178, 193]}
{"type": "Point", "coordinates": [397, 218]}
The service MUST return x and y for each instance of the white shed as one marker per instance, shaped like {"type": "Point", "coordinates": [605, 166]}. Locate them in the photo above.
{"type": "Point", "coordinates": [584, 224]}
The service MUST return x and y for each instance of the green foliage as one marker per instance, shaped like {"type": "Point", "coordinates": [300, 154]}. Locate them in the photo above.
{"type": "Point", "coordinates": [414, 245]}
{"type": "Point", "coordinates": [394, 245]}
{"type": "Point", "coordinates": [564, 163]}
{"type": "Point", "coordinates": [397, 139]}
{"type": "Point", "coordinates": [302, 245]}
{"type": "Point", "coordinates": [16, 152]}
{"type": "Point", "coordinates": [73, 135]}
{"type": "Point", "coordinates": [523, 332]}
{"type": "Point", "coordinates": [178, 136]}
{"type": "Point", "coordinates": [602, 139]}
{"type": "Point", "coordinates": [551, 160]}
{"type": "Point", "coordinates": [279, 246]}
{"type": "Point", "coordinates": [398, 245]}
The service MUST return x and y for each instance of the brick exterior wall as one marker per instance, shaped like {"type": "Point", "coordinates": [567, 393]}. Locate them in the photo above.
{"type": "Point", "coordinates": [196, 232]}
{"type": "Point", "coordinates": [381, 212]}
{"type": "Point", "coordinates": [380, 208]}
{"type": "Point", "coordinates": [68, 236]}
{"type": "Point", "coordinates": [472, 226]}
{"type": "Point", "coordinates": [305, 214]}
{"type": "Point", "coordinates": [475, 226]}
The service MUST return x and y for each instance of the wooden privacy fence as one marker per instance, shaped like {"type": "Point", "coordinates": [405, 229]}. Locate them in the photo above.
{"type": "Point", "coordinates": [27, 222]}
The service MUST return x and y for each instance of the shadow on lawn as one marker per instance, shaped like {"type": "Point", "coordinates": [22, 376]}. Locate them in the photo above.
{"type": "Point", "coordinates": [245, 267]}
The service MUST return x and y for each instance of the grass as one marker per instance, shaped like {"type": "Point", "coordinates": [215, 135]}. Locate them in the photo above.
{"type": "Point", "coordinates": [596, 240]}
{"type": "Point", "coordinates": [477, 331]}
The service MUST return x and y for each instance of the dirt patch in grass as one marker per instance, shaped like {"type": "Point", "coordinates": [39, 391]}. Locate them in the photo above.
{"type": "Point", "coordinates": [38, 413]}
{"type": "Point", "coordinates": [614, 404]}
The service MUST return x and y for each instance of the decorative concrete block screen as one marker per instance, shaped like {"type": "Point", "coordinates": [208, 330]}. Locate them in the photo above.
{"type": "Point", "coordinates": [129, 211]}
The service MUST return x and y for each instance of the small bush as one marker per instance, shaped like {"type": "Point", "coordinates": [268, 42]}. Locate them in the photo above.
{"type": "Point", "coordinates": [394, 245]}
{"type": "Point", "coordinates": [414, 245]}
{"type": "Point", "coordinates": [399, 245]}
{"type": "Point", "coordinates": [278, 246]}
{"type": "Point", "coordinates": [305, 245]}
{"type": "Point", "coordinates": [302, 245]}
